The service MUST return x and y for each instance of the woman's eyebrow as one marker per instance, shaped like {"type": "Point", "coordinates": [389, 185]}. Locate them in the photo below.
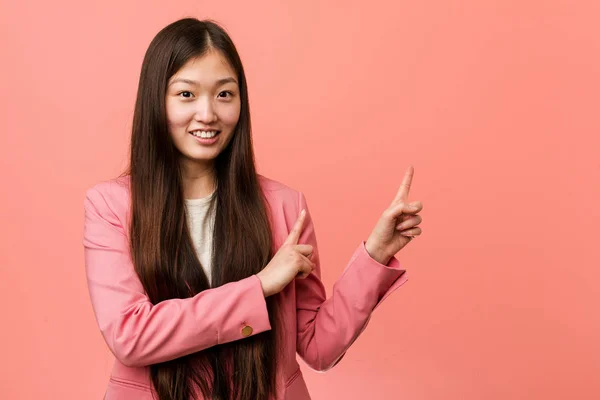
{"type": "Point", "coordinates": [196, 83]}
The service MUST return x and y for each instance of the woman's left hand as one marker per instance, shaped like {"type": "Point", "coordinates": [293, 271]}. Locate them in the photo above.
{"type": "Point", "coordinates": [397, 226]}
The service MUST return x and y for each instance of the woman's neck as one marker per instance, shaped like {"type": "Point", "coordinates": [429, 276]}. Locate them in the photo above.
{"type": "Point", "coordinates": [198, 180]}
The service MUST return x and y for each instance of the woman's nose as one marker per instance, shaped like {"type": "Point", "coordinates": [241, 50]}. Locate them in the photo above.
{"type": "Point", "coordinates": [205, 112]}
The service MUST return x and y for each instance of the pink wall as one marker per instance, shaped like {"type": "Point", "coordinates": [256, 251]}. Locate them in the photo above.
{"type": "Point", "coordinates": [495, 103]}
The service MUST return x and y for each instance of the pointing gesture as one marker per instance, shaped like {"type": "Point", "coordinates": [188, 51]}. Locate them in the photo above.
{"type": "Point", "coordinates": [296, 231]}
{"type": "Point", "coordinates": [402, 194]}
{"type": "Point", "coordinates": [291, 260]}
{"type": "Point", "coordinates": [397, 225]}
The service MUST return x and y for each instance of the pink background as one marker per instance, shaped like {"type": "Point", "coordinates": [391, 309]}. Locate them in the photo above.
{"type": "Point", "coordinates": [495, 103]}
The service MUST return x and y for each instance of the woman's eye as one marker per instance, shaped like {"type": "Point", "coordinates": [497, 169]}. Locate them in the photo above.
{"type": "Point", "coordinates": [180, 93]}
{"type": "Point", "coordinates": [226, 94]}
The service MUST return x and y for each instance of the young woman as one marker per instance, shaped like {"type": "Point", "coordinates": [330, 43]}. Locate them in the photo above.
{"type": "Point", "coordinates": [203, 275]}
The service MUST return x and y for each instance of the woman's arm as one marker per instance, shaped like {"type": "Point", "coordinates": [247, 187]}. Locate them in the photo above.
{"type": "Point", "coordinates": [328, 327]}
{"type": "Point", "coordinates": [139, 333]}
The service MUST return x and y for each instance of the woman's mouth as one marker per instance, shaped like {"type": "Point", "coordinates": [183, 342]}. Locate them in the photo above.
{"type": "Point", "coordinates": [206, 137]}
{"type": "Point", "coordinates": [205, 134]}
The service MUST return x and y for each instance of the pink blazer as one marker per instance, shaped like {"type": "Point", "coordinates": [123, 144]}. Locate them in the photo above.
{"type": "Point", "coordinates": [318, 329]}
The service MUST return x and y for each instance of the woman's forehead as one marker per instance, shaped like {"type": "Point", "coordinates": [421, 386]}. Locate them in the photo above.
{"type": "Point", "coordinates": [208, 69]}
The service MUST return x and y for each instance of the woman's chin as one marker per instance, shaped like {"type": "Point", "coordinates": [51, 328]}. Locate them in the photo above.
{"type": "Point", "coordinates": [201, 159]}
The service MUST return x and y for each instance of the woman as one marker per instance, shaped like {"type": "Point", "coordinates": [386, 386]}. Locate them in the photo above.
{"type": "Point", "coordinates": [203, 275]}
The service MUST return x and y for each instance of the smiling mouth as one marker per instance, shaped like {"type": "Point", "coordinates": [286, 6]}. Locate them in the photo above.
{"type": "Point", "coordinates": [205, 134]}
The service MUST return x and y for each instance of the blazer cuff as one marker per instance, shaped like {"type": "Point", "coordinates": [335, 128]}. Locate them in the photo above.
{"type": "Point", "coordinates": [250, 316]}
{"type": "Point", "coordinates": [375, 280]}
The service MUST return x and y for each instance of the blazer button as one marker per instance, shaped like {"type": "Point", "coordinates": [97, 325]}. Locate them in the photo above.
{"type": "Point", "coordinates": [247, 331]}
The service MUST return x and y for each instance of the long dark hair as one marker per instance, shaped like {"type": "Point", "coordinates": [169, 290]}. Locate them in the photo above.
{"type": "Point", "coordinates": [161, 247]}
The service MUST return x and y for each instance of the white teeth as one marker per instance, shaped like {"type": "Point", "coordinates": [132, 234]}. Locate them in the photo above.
{"type": "Point", "coordinates": [204, 134]}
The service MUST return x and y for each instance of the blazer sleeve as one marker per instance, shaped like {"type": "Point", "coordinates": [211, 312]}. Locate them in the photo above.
{"type": "Point", "coordinates": [328, 327]}
{"type": "Point", "coordinates": [139, 333]}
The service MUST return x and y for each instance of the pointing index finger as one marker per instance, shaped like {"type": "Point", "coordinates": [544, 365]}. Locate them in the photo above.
{"type": "Point", "coordinates": [296, 231]}
{"type": "Point", "coordinates": [405, 186]}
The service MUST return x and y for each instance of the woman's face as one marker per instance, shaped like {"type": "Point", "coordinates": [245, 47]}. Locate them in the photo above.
{"type": "Point", "coordinates": [203, 108]}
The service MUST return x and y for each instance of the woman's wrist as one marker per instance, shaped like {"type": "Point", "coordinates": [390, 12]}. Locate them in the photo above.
{"type": "Point", "coordinates": [266, 291]}
{"type": "Point", "coordinates": [377, 255]}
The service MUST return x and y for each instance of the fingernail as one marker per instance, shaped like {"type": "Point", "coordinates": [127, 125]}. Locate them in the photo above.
{"type": "Point", "coordinates": [303, 213]}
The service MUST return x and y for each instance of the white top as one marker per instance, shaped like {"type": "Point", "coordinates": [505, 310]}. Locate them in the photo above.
{"type": "Point", "coordinates": [201, 229]}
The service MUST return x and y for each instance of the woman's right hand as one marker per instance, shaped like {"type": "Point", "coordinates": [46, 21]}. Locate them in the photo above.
{"type": "Point", "coordinates": [291, 261]}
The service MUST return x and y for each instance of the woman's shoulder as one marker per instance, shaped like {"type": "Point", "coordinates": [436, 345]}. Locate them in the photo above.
{"type": "Point", "coordinates": [113, 187]}
{"type": "Point", "coordinates": [277, 190]}
{"type": "Point", "coordinates": [109, 196]}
